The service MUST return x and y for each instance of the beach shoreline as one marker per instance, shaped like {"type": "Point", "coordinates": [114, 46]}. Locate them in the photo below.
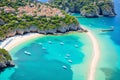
{"type": "Point", "coordinates": [12, 42]}
{"type": "Point", "coordinates": [95, 55]}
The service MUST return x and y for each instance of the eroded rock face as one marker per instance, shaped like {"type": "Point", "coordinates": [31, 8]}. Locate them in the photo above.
{"type": "Point", "coordinates": [26, 30]}
{"type": "Point", "coordinates": [11, 33]}
{"type": "Point", "coordinates": [90, 11]}
{"type": "Point", "coordinates": [10, 63]}
{"type": "Point", "coordinates": [108, 9]}
{"type": "Point", "coordinates": [33, 29]}
{"type": "Point", "coordinates": [63, 29]}
{"type": "Point", "coordinates": [41, 32]}
{"type": "Point", "coordinates": [4, 62]}
{"type": "Point", "coordinates": [51, 31]}
{"type": "Point", "coordinates": [2, 65]}
{"type": "Point", "coordinates": [73, 27]}
{"type": "Point", "coordinates": [90, 14]}
{"type": "Point", "coordinates": [20, 31]}
{"type": "Point", "coordinates": [100, 9]}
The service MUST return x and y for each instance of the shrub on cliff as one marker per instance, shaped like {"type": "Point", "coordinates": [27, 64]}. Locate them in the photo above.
{"type": "Point", "coordinates": [90, 11]}
{"type": "Point", "coordinates": [4, 54]}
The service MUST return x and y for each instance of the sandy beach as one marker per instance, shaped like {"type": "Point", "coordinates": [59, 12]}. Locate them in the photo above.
{"type": "Point", "coordinates": [11, 42]}
{"type": "Point", "coordinates": [96, 55]}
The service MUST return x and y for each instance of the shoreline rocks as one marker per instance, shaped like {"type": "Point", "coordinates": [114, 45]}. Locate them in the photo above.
{"type": "Point", "coordinates": [63, 29]}
{"type": "Point", "coordinates": [6, 64]}
{"type": "Point", "coordinates": [5, 60]}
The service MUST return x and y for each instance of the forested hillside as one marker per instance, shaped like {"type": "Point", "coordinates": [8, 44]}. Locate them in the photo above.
{"type": "Point", "coordinates": [87, 8]}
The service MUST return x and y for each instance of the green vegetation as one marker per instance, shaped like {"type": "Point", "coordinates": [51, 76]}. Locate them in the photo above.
{"type": "Point", "coordinates": [12, 22]}
{"type": "Point", "coordinates": [12, 3]}
{"type": "Point", "coordinates": [4, 54]}
{"type": "Point", "coordinates": [76, 5]}
{"type": "Point", "coordinates": [43, 23]}
{"type": "Point", "coordinates": [90, 8]}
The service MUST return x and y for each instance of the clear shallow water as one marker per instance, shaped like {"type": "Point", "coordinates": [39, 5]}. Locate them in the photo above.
{"type": "Point", "coordinates": [46, 64]}
{"type": "Point", "coordinates": [109, 64]}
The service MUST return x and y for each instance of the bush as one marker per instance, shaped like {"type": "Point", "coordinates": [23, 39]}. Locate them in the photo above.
{"type": "Point", "coordinates": [5, 54]}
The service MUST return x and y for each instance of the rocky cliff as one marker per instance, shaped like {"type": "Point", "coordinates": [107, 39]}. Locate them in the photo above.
{"type": "Point", "coordinates": [100, 9]}
{"type": "Point", "coordinates": [5, 59]}
{"type": "Point", "coordinates": [35, 29]}
{"type": "Point", "coordinates": [87, 8]}
{"type": "Point", "coordinates": [33, 17]}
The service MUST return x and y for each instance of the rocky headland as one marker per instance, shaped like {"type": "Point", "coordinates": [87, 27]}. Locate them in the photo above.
{"type": "Point", "coordinates": [5, 60]}
{"type": "Point", "coordinates": [87, 8]}
{"type": "Point", "coordinates": [25, 17]}
{"type": "Point", "coordinates": [35, 29]}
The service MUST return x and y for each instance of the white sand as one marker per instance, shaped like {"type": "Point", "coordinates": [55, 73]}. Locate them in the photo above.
{"type": "Point", "coordinates": [10, 43]}
{"type": "Point", "coordinates": [95, 59]}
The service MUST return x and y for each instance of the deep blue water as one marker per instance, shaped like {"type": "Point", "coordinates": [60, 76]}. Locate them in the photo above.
{"type": "Point", "coordinates": [106, 22]}
{"type": "Point", "coordinates": [116, 21]}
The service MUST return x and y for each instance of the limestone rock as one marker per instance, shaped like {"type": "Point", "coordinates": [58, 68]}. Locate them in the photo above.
{"type": "Point", "coordinates": [20, 31]}
{"type": "Point", "coordinates": [90, 11]}
{"type": "Point", "coordinates": [107, 9]}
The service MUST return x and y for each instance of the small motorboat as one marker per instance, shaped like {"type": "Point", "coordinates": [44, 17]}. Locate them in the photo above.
{"type": "Point", "coordinates": [26, 52]}
{"type": "Point", "coordinates": [43, 48]}
{"type": "Point", "coordinates": [64, 67]}
{"type": "Point", "coordinates": [50, 42]}
{"type": "Point", "coordinates": [76, 46]}
{"type": "Point", "coordinates": [70, 61]}
{"type": "Point", "coordinates": [40, 43]}
{"type": "Point", "coordinates": [61, 43]}
{"type": "Point", "coordinates": [68, 55]}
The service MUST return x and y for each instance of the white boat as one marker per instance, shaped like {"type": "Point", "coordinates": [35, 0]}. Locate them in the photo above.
{"type": "Point", "coordinates": [50, 42]}
{"type": "Point", "coordinates": [40, 43]}
{"type": "Point", "coordinates": [65, 67]}
{"type": "Point", "coordinates": [76, 46]}
{"type": "Point", "coordinates": [68, 55]}
{"type": "Point", "coordinates": [43, 48]}
{"type": "Point", "coordinates": [70, 61]}
{"type": "Point", "coordinates": [26, 52]}
{"type": "Point", "coordinates": [61, 43]}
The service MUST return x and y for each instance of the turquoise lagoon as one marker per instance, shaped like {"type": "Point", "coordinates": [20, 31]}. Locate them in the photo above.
{"type": "Point", "coordinates": [47, 59]}
{"type": "Point", "coordinates": [109, 64]}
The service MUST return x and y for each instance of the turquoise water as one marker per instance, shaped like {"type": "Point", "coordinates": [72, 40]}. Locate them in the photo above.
{"type": "Point", "coordinates": [47, 59]}
{"type": "Point", "coordinates": [46, 64]}
{"type": "Point", "coordinates": [109, 64]}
